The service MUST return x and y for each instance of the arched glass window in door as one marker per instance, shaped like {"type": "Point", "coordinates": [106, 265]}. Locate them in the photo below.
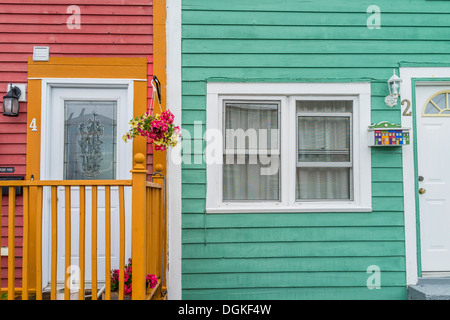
{"type": "Point", "coordinates": [437, 105]}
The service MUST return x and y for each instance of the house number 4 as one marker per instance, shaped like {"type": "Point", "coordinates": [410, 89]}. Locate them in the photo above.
{"type": "Point", "coordinates": [33, 125]}
{"type": "Point", "coordinates": [406, 112]}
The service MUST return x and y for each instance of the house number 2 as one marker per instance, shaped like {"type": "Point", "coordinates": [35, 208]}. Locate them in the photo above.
{"type": "Point", "coordinates": [406, 112]}
{"type": "Point", "coordinates": [33, 125]}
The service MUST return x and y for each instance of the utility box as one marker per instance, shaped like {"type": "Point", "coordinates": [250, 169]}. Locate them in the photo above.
{"type": "Point", "coordinates": [5, 190]}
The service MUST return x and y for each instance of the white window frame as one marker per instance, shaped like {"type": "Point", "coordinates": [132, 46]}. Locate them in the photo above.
{"type": "Point", "coordinates": [287, 94]}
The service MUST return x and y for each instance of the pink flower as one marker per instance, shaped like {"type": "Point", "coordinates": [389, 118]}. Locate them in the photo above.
{"type": "Point", "coordinates": [161, 147]}
{"type": "Point", "coordinates": [151, 280]}
{"type": "Point", "coordinates": [115, 275]}
{"type": "Point", "coordinates": [156, 124]}
{"type": "Point", "coordinates": [164, 127]}
{"type": "Point", "coordinates": [168, 116]}
{"type": "Point", "coordinates": [177, 130]}
{"type": "Point", "coordinates": [127, 289]}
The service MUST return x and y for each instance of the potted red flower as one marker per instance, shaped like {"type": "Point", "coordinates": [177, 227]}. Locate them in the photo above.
{"type": "Point", "coordinates": [151, 281]}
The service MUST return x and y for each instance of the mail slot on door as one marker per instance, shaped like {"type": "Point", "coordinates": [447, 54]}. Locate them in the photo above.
{"type": "Point", "coordinates": [5, 190]}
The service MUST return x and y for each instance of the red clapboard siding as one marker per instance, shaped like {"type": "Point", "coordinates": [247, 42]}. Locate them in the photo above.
{"type": "Point", "coordinates": [17, 271]}
{"type": "Point", "coordinates": [17, 262]}
{"type": "Point", "coordinates": [38, 8]}
{"type": "Point", "coordinates": [5, 202]}
{"type": "Point", "coordinates": [11, 159]}
{"type": "Point", "coordinates": [13, 127]}
{"type": "Point", "coordinates": [19, 222]}
{"type": "Point", "coordinates": [18, 52]}
{"type": "Point", "coordinates": [130, 29]}
{"type": "Point", "coordinates": [75, 38]}
{"type": "Point", "coordinates": [17, 148]}
{"type": "Point", "coordinates": [21, 118]}
{"type": "Point", "coordinates": [86, 20]}
{"type": "Point", "coordinates": [17, 239]}
{"type": "Point", "coordinates": [109, 28]}
{"type": "Point", "coordinates": [12, 138]}
{"type": "Point", "coordinates": [12, 77]}
{"type": "Point", "coordinates": [13, 66]}
{"type": "Point", "coordinates": [86, 2]}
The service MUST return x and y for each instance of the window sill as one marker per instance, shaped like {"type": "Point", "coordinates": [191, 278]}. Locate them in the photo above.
{"type": "Point", "coordinates": [298, 208]}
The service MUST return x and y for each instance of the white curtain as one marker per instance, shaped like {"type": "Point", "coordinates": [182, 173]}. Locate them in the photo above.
{"type": "Point", "coordinates": [245, 182]}
{"type": "Point", "coordinates": [250, 128]}
{"type": "Point", "coordinates": [323, 183]}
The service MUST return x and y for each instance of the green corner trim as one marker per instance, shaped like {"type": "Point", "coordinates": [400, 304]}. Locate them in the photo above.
{"type": "Point", "coordinates": [416, 174]}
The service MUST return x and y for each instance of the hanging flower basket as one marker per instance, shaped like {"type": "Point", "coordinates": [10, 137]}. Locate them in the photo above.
{"type": "Point", "coordinates": [159, 129]}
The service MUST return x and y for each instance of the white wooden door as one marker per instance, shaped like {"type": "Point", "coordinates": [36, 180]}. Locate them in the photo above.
{"type": "Point", "coordinates": [433, 132]}
{"type": "Point", "coordinates": [83, 142]}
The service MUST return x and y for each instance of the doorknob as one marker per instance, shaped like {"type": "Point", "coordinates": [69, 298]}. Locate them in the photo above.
{"type": "Point", "coordinates": [422, 190]}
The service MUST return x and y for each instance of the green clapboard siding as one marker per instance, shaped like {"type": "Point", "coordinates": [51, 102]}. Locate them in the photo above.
{"type": "Point", "coordinates": [300, 255]}
{"type": "Point", "coordinates": [296, 293]}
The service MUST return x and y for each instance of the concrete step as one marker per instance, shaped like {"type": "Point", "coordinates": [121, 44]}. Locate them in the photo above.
{"type": "Point", "coordinates": [430, 289]}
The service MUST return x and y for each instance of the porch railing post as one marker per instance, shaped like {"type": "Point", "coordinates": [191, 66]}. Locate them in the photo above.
{"type": "Point", "coordinates": [138, 241]}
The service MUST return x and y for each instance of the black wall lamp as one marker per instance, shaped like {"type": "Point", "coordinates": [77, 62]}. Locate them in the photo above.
{"type": "Point", "coordinates": [11, 102]}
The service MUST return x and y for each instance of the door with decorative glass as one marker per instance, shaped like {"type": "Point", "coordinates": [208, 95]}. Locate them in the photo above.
{"type": "Point", "coordinates": [83, 142]}
{"type": "Point", "coordinates": [433, 125]}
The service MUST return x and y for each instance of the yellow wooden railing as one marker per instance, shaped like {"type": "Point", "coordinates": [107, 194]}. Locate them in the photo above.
{"type": "Point", "coordinates": [148, 235]}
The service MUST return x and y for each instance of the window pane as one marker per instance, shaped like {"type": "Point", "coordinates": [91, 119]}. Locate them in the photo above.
{"type": "Point", "coordinates": [251, 125]}
{"type": "Point", "coordinates": [321, 106]}
{"type": "Point", "coordinates": [324, 183]}
{"type": "Point", "coordinates": [323, 139]}
{"type": "Point", "coordinates": [440, 100]}
{"type": "Point", "coordinates": [251, 176]}
{"type": "Point", "coordinates": [431, 109]}
{"type": "Point", "coordinates": [90, 140]}
{"type": "Point", "coordinates": [247, 181]}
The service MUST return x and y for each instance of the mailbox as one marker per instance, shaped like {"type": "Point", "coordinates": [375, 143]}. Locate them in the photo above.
{"type": "Point", "coordinates": [385, 134]}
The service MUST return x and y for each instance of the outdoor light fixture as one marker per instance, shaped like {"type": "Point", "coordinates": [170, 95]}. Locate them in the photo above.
{"type": "Point", "coordinates": [394, 91]}
{"type": "Point", "coordinates": [11, 102]}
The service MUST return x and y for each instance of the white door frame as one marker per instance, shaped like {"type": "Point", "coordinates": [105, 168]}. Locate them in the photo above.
{"type": "Point", "coordinates": [408, 74]}
{"type": "Point", "coordinates": [46, 98]}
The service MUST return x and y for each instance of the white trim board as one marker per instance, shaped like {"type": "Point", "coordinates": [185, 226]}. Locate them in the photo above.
{"type": "Point", "coordinates": [409, 196]}
{"type": "Point", "coordinates": [173, 181]}
{"type": "Point", "coordinates": [290, 88]}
